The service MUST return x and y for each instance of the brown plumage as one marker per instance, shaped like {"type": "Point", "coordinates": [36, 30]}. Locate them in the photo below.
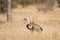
{"type": "Point", "coordinates": [32, 26]}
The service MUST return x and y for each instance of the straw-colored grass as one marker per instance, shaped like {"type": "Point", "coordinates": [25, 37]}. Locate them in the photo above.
{"type": "Point", "coordinates": [50, 22]}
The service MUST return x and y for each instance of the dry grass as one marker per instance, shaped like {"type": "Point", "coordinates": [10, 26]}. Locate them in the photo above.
{"type": "Point", "coordinates": [50, 22]}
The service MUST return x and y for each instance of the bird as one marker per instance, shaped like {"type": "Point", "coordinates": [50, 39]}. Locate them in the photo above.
{"type": "Point", "coordinates": [32, 26]}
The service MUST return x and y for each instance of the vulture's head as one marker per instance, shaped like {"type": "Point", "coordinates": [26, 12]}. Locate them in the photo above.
{"type": "Point", "coordinates": [26, 20]}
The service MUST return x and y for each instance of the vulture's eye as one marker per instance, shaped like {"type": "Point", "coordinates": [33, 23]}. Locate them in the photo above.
{"type": "Point", "coordinates": [25, 19]}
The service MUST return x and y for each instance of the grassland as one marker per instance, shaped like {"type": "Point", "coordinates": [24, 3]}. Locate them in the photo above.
{"type": "Point", "coordinates": [49, 21]}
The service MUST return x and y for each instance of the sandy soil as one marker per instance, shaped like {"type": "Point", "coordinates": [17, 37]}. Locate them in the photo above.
{"type": "Point", "coordinates": [49, 21]}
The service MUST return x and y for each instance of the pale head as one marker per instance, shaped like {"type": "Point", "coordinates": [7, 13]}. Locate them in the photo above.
{"type": "Point", "coordinates": [27, 20]}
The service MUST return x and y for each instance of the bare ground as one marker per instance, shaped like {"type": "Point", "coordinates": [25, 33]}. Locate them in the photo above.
{"type": "Point", "coordinates": [49, 21]}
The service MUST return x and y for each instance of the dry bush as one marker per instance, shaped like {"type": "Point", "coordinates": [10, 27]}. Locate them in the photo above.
{"type": "Point", "coordinates": [46, 5]}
